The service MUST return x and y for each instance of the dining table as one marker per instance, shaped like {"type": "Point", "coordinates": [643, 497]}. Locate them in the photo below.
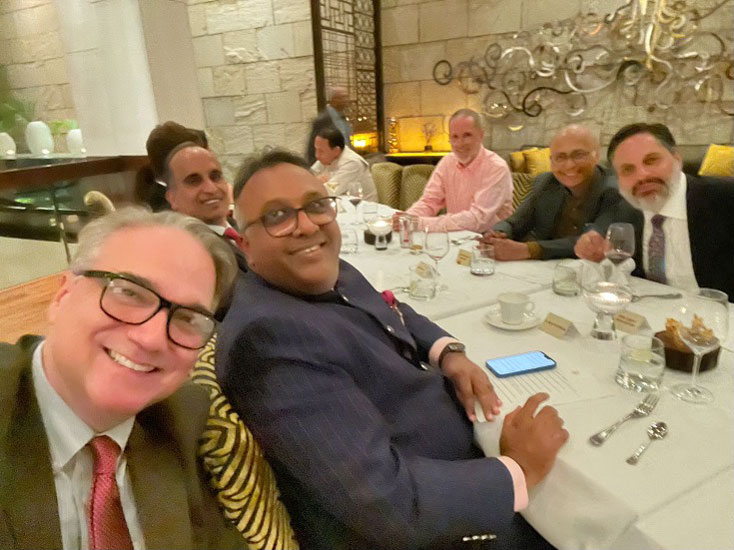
{"type": "Point", "coordinates": [680, 495]}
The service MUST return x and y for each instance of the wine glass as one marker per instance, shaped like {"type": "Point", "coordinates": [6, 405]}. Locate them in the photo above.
{"type": "Point", "coordinates": [355, 199]}
{"type": "Point", "coordinates": [436, 245]}
{"type": "Point", "coordinates": [704, 319]}
{"type": "Point", "coordinates": [605, 296]}
{"type": "Point", "coordinates": [620, 242]}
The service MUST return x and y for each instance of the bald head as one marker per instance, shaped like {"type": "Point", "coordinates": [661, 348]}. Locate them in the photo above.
{"type": "Point", "coordinates": [574, 154]}
{"type": "Point", "coordinates": [338, 98]}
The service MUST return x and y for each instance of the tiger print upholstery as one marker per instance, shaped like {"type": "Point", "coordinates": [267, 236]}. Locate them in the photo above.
{"type": "Point", "coordinates": [522, 184]}
{"type": "Point", "coordinates": [244, 483]}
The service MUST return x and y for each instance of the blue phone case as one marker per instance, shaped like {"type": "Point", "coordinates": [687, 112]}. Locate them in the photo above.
{"type": "Point", "coordinates": [531, 361]}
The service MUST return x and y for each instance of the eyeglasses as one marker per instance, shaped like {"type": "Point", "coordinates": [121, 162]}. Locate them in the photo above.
{"type": "Point", "coordinates": [132, 303]}
{"type": "Point", "coordinates": [575, 156]}
{"type": "Point", "coordinates": [283, 221]}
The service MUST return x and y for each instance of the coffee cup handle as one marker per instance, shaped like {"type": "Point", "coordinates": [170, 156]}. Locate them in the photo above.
{"type": "Point", "coordinates": [529, 307]}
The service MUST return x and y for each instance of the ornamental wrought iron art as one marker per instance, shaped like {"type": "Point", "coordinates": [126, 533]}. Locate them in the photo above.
{"type": "Point", "coordinates": [656, 49]}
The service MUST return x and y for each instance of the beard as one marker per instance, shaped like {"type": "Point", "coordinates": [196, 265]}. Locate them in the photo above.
{"type": "Point", "coordinates": [655, 203]}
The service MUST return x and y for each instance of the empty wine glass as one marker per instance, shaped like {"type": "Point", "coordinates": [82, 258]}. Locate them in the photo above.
{"type": "Point", "coordinates": [605, 296]}
{"type": "Point", "coordinates": [704, 319]}
{"type": "Point", "coordinates": [620, 242]}
{"type": "Point", "coordinates": [436, 245]}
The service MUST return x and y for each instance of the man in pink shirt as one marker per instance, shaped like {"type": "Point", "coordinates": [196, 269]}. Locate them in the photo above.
{"type": "Point", "coordinates": [472, 183]}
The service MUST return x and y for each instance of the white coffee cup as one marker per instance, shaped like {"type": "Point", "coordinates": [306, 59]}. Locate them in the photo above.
{"type": "Point", "coordinates": [514, 306]}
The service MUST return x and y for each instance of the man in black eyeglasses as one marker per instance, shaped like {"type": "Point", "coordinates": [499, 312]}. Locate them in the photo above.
{"type": "Point", "coordinates": [98, 427]}
{"type": "Point", "coordinates": [363, 407]}
{"type": "Point", "coordinates": [577, 192]}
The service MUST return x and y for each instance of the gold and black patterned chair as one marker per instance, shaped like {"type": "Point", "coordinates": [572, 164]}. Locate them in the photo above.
{"type": "Point", "coordinates": [239, 474]}
{"type": "Point", "coordinates": [522, 184]}
{"type": "Point", "coordinates": [415, 177]}
{"type": "Point", "coordinates": [386, 176]}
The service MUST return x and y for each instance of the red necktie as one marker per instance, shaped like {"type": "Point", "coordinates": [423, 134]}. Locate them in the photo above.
{"type": "Point", "coordinates": [107, 527]}
{"type": "Point", "coordinates": [232, 234]}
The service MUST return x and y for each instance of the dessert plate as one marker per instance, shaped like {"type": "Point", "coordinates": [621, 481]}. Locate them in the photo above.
{"type": "Point", "coordinates": [494, 318]}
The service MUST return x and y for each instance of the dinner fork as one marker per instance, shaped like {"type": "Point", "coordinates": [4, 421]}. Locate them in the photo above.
{"type": "Point", "coordinates": [638, 297]}
{"type": "Point", "coordinates": [643, 408]}
{"type": "Point", "coordinates": [462, 240]}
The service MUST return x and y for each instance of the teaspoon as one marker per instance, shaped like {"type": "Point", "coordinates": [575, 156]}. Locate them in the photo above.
{"type": "Point", "coordinates": [657, 430]}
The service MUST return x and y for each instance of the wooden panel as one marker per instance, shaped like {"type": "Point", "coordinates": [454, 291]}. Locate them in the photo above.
{"type": "Point", "coordinates": [24, 307]}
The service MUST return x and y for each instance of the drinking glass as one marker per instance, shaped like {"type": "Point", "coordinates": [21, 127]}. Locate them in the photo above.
{"type": "Point", "coordinates": [604, 296]}
{"type": "Point", "coordinates": [482, 259]}
{"type": "Point", "coordinates": [566, 278]}
{"type": "Point", "coordinates": [704, 319]}
{"type": "Point", "coordinates": [620, 242]}
{"type": "Point", "coordinates": [350, 241]}
{"type": "Point", "coordinates": [436, 245]}
{"type": "Point", "coordinates": [355, 199]}
{"type": "Point", "coordinates": [641, 363]}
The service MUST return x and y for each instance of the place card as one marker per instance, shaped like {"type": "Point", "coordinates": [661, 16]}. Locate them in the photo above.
{"type": "Point", "coordinates": [630, 322]}
{"type": "Point", "coordinates": [557, 326]}
{"type": "Point", "coordinates": [424, 270]}
{"type": "Point", "coordinates": [463, 257]}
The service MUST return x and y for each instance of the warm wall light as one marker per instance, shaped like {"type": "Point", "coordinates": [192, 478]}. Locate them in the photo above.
{"type": "Point", "coordinates": [365, 142]}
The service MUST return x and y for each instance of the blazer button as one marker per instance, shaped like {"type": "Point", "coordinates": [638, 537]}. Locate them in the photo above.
{"type": "Point", "coordinates": [390, 329]}
{"type": "Point", "coordinates": [344, 298]}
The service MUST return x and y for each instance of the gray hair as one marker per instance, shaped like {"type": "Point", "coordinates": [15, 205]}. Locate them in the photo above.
{"type": "Point", "coordinates": [93, 235]}
{"type": "Point", "coordinates": [476, 118]}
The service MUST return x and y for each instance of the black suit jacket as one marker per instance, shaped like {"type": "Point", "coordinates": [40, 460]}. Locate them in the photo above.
{"type": "Point", "coordinates": [538, 216]}
{"type": "Point", "coordinates": [371, 450]}
{"type": "Point", "coordinates": [710, 210]}
{"type": "Point", "coordinates": [174, 504]}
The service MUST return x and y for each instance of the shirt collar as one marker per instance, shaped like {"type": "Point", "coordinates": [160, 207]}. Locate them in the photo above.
{"type": "Point", "coordinates": [473, 163]}
{"type": "Point", "coordinates": [67, 433]}
{"type": "Point", "coordinates": [218, 229]}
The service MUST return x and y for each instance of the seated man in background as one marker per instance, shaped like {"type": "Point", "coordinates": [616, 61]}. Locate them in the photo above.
{"type": "Point", "coordinates": [363, 407]}
{"type": "Point", "coordinates": [576, 192]}
{"type": "Point", "coordinates": [332, 115]}
{"type": "Point", "coordinates": [343, 171]}
{"type": "Point", "coordinates": [99, 425]}
{"type": "Point", "coordinates": [150, 185]}
{"type": "Point", "coordinates": [472, 183]}
{"type": "Point", "coordinates": [687, 239]}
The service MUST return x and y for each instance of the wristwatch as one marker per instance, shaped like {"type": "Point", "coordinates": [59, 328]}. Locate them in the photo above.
{"type": "Point", "coordinates": [452, 347]}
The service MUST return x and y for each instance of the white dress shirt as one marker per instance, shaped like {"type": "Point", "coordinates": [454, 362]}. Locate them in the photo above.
{"type": "Point", "coordinates": [678, 260]}
{"type": "Point", "coordinates": [72, 463]}
{"type": "Point", "coordinates": [347, 173]}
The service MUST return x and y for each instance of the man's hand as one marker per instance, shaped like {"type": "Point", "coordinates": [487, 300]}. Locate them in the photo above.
{"type": "Point", "coordinates": [590, 246]}
{"type": "Point", "coordinates": [323, 178]}
{"type": "Point", "coordinates": [509, 250]}
{"type": "Point", "coordinates": [533, 440]}
{"type": "Point", "coordinates": [471, 383]}
{"type": "Point", "coordinates": [492, 235]}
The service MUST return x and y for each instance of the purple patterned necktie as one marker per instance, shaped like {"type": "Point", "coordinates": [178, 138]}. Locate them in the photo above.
{"type": "Point", "coordinates": [107, 526]}
{"type": "Point", "coordinates": [656, 251]}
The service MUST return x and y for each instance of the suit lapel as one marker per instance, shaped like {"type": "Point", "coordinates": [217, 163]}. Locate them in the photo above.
{"type": "Point", "coordinates": [698, 236]}
{"type": "Point", "coordinates": [26, 475]}
{"type": "Point", "coordinates": [159, 486]}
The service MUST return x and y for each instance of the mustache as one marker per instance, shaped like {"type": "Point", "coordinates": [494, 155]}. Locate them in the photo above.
{"type": "Point", "coordinates": [649, 180]}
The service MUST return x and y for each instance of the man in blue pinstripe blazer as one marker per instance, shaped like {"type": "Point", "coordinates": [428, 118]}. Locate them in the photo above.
{"type": "Point", "coordinates": [363, 407]}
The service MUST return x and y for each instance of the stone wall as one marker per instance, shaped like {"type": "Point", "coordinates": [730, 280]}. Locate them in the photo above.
{"type": "Point", "coordinates": [418, 33]}
{"type": "Point", "coordinates": [31, 50]}
{"type": "Point", "coordinates": [255, 70]}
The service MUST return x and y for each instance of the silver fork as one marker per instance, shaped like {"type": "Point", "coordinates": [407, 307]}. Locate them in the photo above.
{"type": "Point", "coordinates": [463, 240]}
{"type": "Point", "coordinates": [643, 408]}
{"type": "Point", "coordinates": [638, 297]}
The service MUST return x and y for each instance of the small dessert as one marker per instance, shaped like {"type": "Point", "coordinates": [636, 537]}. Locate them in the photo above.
{"type": "Point", "coordinates": [678, 355]}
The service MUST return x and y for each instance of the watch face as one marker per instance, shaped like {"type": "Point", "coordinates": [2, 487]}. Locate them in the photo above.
{"type": "Point", "coordinates": [455, 346]}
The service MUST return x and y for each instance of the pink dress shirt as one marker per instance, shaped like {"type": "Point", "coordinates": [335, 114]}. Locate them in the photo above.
{"type": "Point", "coordinates": [476, 196]}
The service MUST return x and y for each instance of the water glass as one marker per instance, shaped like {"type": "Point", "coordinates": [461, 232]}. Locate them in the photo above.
{"type": "Point", "coordinates": [423, 282]}
{"type": "Point", "coordinates": [482, 259]}
{"type": "Point", "coordinates": [417, 241]}
{"type": "Point", "coordinates": [350, 241]}
{"type": "Point", "coordinates": [566, 278]}
{"type": "Point", "coordinates": [369, 211]}
{"type": "Point", "coordinates": [641, 363]}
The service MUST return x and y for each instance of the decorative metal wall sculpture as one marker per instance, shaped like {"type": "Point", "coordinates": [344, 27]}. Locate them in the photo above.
{"type": "Point", "coordinates": [654, 48]}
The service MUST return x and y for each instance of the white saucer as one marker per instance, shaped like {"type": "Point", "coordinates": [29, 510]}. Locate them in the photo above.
{"type": "Point", "coordinates": [493, 317]}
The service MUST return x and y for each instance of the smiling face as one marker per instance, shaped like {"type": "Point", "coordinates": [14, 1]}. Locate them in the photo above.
{"type": "Point", "coordinates": [465, 138]}
{"type": "Point", "coordinates": [105, 370]}
{"type": "Point", "coordinates": [647, 171]}
{"type": "Point", "coordinates": [197, 186]}
{"type": "Point", "coordinates": [574, 154]}
{"type": "Point", "coordinates": [304, 262]}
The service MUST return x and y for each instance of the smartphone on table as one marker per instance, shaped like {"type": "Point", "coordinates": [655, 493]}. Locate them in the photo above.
{"type": "Point", "coordinates": [511, 365]}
